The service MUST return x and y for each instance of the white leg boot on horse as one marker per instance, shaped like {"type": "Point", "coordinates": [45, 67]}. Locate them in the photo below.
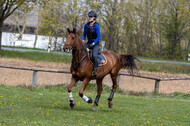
{"type": "Point", "coordinates": [85, 98]}
{"type": "Point", "coordinates": [73, 81]}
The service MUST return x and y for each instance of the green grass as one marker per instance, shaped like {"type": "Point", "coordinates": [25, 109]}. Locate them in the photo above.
{"type": "Point", "coordinates": [164, 67]}
{"type": "Point", "coordinates": [37, 56]}
{"type": "Point", "coordinates": [20, 47]}
{"type": "Point", "coordinates": [21, 106]}
{"type": "Point", "coordinates": [59, 58]}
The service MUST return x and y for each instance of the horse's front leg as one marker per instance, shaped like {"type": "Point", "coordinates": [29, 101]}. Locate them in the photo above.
{"type": "Point", "coordinates": [84, 85]}
{"type": "Point", "coordinates": [73, 81]}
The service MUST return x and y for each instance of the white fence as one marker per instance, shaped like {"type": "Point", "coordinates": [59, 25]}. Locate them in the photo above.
{"type": "Point", "coordinates": [11, 39]}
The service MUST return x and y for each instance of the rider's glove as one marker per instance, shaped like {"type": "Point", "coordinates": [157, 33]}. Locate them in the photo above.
{"type": "Point", "coordinates": [90, 46]}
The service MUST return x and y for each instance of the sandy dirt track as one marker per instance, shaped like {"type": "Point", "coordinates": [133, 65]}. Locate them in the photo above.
{"type": "Point", "coordinates": [22, 77]}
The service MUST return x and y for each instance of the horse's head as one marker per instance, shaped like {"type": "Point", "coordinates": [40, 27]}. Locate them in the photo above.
{"type": "Point", "coordinates": [70, 41]}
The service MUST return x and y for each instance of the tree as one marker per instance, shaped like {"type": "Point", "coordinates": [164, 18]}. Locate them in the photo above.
{"type": "Point", "coordinates": [175, 24]}
{"type": "Point", "coordinates": [21, 16]}
{"type": "Point", "coordinates": [7, 7]}
{"type": "Point", "coordinates": [188, 47]}
{"type": "Point", "coordinates": [50, 19]}
{"type": "Point", "coordinates": [150, 28]}
{"type": "Point", "coordinates": [109, 17]}
{"type": "Point", "coordinates": [56, 16]}
{"type": "Point", "coordinates": [36, 8]}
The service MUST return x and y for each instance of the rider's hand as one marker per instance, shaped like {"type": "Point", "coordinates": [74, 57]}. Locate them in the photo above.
{"type": "Point", "coordinates": [90, 46]}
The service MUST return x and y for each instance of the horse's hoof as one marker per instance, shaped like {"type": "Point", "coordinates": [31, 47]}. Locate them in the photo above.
{"type": "Point", "coordinates": [94, 108]}
{"type": "Point", "coordinates": [72, 105]}
{"type": "Point", "coordinates": [110, 105]}
{"type": "Point", "coordinates": [89, 100]}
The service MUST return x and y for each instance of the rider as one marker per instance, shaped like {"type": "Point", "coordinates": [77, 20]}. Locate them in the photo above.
{"type": "Point", "coordinates": [92, 31]}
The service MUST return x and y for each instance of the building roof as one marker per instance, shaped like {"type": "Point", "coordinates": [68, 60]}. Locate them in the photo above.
{"type": "Point", "coordinates": [32, 21]}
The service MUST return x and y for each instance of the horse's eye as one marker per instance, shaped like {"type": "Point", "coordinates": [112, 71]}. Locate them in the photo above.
{"type": "Point", "coordinates": [73, 38]}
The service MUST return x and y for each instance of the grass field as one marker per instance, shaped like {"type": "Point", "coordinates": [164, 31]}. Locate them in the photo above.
{"type": "Point", "coordinates": [37, 56]}
{"type": "Point", "coordinates": [20, 47]}
{"type": "Point", "coordinates": [21, 106]}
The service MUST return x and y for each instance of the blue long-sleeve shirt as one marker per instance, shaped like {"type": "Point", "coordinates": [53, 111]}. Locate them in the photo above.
{"type": "Point", "coordinates": [97, 29]}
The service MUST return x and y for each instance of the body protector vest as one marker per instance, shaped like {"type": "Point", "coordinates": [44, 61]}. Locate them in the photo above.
{"type": "Point", "coordinates": [91, 33]}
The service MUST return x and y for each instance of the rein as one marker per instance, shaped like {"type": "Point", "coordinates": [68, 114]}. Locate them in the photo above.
{"type": "Point", "coordinates": [76, 66]}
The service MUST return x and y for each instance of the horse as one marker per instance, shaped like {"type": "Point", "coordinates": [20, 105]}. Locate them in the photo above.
{"type": "Point", "coordinates": [82, 67]}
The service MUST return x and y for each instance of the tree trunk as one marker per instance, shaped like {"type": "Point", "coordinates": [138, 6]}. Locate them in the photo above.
{"type": "Point", "coordinates": [23, 28]}
{"type": "Point", "coordinates": [1, 27]}
{"type": "Point", "coordinates": [35, 41]}
{"type": "Point", "coordinates": [111, 45]}
{"type": "Point", "coordinates": [188, 48]}
{"type": "Point", "coordinates": [36, 36]}
{"type": "Point", "coordinates": [18, 27]}
{"type": "Point", "coordinates": [50, 41]}
{"type": "Point", "coordinates": [112, 26]}
{"type": "Point", "coordinates": [55, 43]}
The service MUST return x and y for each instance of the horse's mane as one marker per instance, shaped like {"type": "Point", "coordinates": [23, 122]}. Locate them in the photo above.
{"type": "Point", "coordinates": [78, 34]}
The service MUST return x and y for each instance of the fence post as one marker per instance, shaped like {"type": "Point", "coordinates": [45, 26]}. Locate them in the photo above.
{"type": "Point", "coordinates": [78, 83]}
{"type": "Point", "coordinates": [156, 89]}
{"type": "Point", "coordinates": [34, 79]}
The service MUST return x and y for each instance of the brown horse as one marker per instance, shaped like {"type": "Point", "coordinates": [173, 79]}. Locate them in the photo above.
{"type": "Point", "coordinates": [81, 68]}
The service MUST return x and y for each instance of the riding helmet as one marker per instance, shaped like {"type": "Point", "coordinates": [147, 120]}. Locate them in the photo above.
{"type": "Point", "coordinates": [92, 14]}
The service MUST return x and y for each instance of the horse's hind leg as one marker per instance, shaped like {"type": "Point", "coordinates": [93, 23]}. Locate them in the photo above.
{"type": "Point", "coordinates": [84, 85]}
{"type": "Point", "coordinates": [73, 81]}
{"type": "Point", "coordinates": [114, 80]}
{"type": "Point", "coordinates": [99, 91]}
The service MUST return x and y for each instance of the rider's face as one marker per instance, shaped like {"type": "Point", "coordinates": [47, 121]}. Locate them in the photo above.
{"type": "Point", "coordinates": [91, 19]}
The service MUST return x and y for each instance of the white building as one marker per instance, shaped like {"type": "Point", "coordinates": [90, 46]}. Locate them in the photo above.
{"type": "Point", "coordinates": [10, 34]}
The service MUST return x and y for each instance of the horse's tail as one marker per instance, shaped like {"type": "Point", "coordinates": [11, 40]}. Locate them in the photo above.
{"type": "Point", "coordinates": [128, 61]}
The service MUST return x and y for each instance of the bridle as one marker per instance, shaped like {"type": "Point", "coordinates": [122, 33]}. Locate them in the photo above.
{"type": "Point", "coordinates": [75, 66]}
{"type": "Point", "coordinates": [71, 45]}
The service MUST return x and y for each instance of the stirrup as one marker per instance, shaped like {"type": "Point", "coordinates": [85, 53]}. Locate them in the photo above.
{"type": "Point", "coordinates": [94, 74]}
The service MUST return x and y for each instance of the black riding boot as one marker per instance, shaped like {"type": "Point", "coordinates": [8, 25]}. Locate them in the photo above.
{"type": "Point", "coordinates": [94, 72]}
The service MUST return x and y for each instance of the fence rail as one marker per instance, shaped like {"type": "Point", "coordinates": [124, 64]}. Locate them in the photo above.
{"type": "Point", "coordinates": [35, 75]}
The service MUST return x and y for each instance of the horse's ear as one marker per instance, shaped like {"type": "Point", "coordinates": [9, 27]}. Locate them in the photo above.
{"type": "Point", "coordinates": [74, 30]}
{"type": "Point", "coordinates": [68, 30]}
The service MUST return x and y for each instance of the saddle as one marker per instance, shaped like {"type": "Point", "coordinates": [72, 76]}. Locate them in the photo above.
{"type": "Point", "coordinates": [101, 58]}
